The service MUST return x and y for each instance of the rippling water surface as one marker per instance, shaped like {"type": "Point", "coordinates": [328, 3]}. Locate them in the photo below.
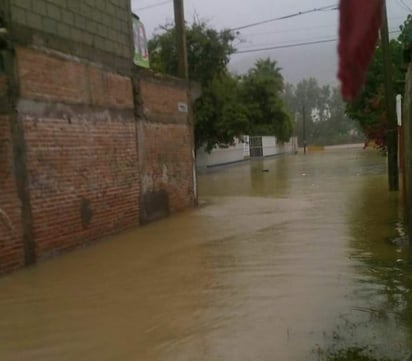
{"type": "Point", "coordinates": [283, 264]}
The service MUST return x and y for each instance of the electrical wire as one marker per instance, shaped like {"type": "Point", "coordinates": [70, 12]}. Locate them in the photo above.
{"type": "Point", "coordinates": [285, 46]}
{"type": "Point", "coordinates": [154, 5]}
{"type": "Point", "coordinates": [408, 8]}
{"type": "Point", "coordinates": [293, 45]}
{"type": "Point", "coordinates": [402, 6]}
{"type": "Point", "coordinates": [296, 30]}
{"type": "Point", "coordinates": [324, 8]}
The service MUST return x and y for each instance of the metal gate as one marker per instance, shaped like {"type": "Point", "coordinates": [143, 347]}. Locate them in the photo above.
{"type": "Point", "coordinates": [256, 147]}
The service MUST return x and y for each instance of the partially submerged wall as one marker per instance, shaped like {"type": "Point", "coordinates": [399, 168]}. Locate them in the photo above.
{"type": "Point", "coordinates": [165, 147]}
{"type": "Point", "coordinates": [11, 227]}
{"type": "Point", "coordinates": [84, 153]}
{"type": "Point", "coordinates": [241, 150]}
{"type": "Point", "coordinates": [81, 149]}
{"type": "Point", "coordinates": [11, 231]}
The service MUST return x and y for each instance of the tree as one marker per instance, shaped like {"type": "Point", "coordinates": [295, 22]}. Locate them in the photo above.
{"type": "Point", "coordinates": [208, 51]}
{"type": "Point", "coordinates": [326, 121]}
{"type": "Point", "coordinates": [369, 108]}
{"type": "Point", "coordinates": [261, 94]}
{"type": "Point", "coordinates": [229, 106]}
{"type": "Point", "coordinates": [219, 115]}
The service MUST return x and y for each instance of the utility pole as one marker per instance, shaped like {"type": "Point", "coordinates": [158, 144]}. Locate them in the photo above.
{"type": "Point", "coordinates": [304, 127]}
{"type": "Point", "coordinates": [392, 135]}
{"type": "Point", "coordinates": [183, 72]}
{"type": "Point", "coordinates": [181, 39]}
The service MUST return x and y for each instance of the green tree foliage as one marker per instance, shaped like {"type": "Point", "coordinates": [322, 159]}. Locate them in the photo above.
{"type": "Point", "coordinates": [229, 106]}
{"type": "Point", "coordinates": [369, 108]}
{"type": "Point", "coordinates": [405, 37]}
{"type": "Point", "coordinates": [326, 121]}
{"type": "Point", "coordinates": [261, 94]}
{"type": "Point", "coordinates": [208, 51]}
{"type": "Point", "coordinates": [219, 115]}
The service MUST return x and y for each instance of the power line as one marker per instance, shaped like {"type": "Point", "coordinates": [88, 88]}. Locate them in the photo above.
{"type": "Point", "coordinates": [324, 8]}
{"type": "Point", "coordinates": [402, 6]}
{"type": "Point", "coordinates": [293, 45]}
{"type": "Point", "coordinates": [408, 8]}
{"type": "Point", "coordinates": [154, 5]}
{"type": "Point", "coordinates": [296, 30]}
{"type": "Point", "coordinates": [286, 46]}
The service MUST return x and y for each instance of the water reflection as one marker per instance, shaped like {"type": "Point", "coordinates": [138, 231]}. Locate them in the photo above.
{"type": "Point", "coordinates": [272, 266]}
{"type": "Point", "coordinates": [380, 317]}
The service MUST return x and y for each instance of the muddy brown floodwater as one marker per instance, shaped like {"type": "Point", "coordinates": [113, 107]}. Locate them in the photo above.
{"type": "Point", "coordinates": [284, 264]}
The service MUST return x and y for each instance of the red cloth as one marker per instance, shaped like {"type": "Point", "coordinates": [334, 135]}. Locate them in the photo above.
{"type": "Point", "coordinates": [360, 21]}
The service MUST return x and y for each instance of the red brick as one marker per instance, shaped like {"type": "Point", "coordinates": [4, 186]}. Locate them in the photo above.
{"type": "Point", "coordinates": [89, 158]}
{"type": "Point", "coordinates": [55, 78]}
{"type": "Point", "coordinates": [11, 244]}
{"type": "Point", "coordinates": [168, 163]}
{"type": "Point", "coordinates": [71, 162]}
{"type": "Point", "coordinates": [162, 98]}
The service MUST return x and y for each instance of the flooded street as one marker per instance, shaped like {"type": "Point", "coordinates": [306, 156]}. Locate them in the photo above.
{"type": "Point", "coordinates": [285, 259]}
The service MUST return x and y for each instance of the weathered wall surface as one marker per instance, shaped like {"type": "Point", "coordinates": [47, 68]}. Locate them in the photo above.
{"type": "Point", "coordinates": [84, 152]}
{"type": "Point", "coordinates": [81, 149]}
{"type": "Point", "coordinates": [407, 131]}
{"type": "Point", "coordinates": [11, 232]}
{"type": "Point", "coordinates": [165, 148]}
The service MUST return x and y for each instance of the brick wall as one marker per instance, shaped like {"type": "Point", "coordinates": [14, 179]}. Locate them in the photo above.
{"type": "Point", "coordinates": [168, 163]}
{"type": "Point", "coordinates": [41, 77]}
{"type": "Point", "coordinates": [98, 30]}
{"type": "Point", "coordinates": [83, 179]}
{"type": "Point", "coordinates": [85, 167]}
{"type": "Point", "coordinates": [165, 148]}
{"type": "Point", "coordinates": [11, 245]}
{"type": "Point", "coordinates": [81, 150]}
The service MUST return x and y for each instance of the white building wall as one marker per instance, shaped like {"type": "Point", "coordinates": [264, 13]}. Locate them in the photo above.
{"type": "Point", "coordinates": [241, 151]}
{"type": "Point", "coordinates": [271, 146]}
{"type": "Point", "coordinates": [218, 156]}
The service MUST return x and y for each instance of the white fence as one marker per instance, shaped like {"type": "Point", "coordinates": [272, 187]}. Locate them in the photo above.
{"type": "Point", "coordinates": [219, 156]}
{"type": "Point", "coordinates": [240, 151]}
{"type": "Point", "coordinates": [272, 147]}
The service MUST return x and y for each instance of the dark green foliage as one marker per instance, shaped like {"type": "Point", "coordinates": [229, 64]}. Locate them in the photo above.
{"type": "Point", "coordinates": [369, 109]}
{"type": "Point", "coordinates": [219, 116]}
{"type": "Point", "coordinates": [405, 38]}
{"type": "Point", "coordinates": [208, 51]}
{"type": "Point", "coordinates": [261, 93]}
{"type": "Point", "coordinates": [229, 106]}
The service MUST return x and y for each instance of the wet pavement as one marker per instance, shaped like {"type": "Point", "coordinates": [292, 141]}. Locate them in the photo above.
{"type": "Point", "coordinates": [285, 259]}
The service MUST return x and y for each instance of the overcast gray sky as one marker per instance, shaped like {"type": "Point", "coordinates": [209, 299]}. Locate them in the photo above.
{"type": "Point", "coordinates": [318, 60]}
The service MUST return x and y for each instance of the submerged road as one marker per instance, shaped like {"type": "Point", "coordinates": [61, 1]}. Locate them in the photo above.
{"type": "Point", "coordinates": [286, 259]}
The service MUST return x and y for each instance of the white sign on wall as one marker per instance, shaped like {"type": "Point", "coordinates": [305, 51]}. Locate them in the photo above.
{"type": "Point", "coordinates": [182, 107]}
